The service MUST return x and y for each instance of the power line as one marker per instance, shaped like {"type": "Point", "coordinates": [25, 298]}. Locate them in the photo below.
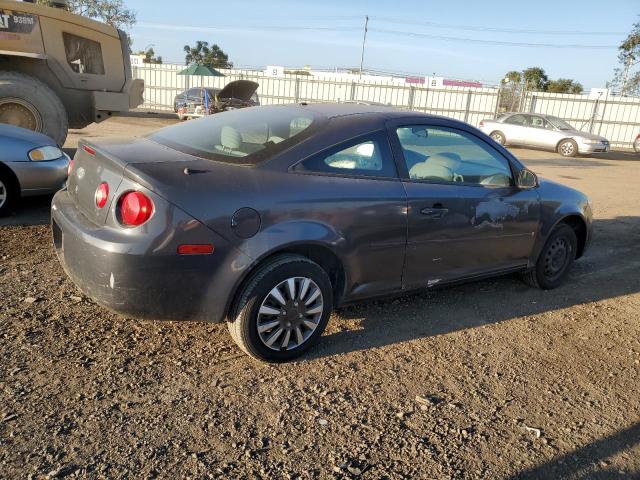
{"type": "Point", "coordinates": [492, 42]}
{"type": "Point", "coordinates": [494, 29]}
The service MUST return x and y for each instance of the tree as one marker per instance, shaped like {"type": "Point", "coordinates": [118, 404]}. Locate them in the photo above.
{"type": "Point", "coordinates": [202, 54]}
{"type": "Point", "coordinates": [535, 78]}
{"type": "Point", "coordinates": [628, 57]}
{"type": "Point", "coordinates": [149, 56]}
{"type": "Point", "coordinates": [112, 12]}
{"type": "Point", "coordinates": [564, 85]}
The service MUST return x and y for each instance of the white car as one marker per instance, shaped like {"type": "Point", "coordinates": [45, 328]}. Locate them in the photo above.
{"type": "Point", "coordinates": [543, 131]}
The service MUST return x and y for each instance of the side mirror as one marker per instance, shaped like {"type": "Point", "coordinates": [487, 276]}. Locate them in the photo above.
{"type": "Point", "coordinates": [527, 179]}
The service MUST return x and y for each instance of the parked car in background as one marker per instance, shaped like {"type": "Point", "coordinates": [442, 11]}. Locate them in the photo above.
{"type": "Point", "coordinates": [237, 94]}
{"type": "Point", "coordinates": [543, 131]}
{"type": "Point", "coordinates": [636, 144]}
{"type": "Point", "coordinates": [270, 217]}
{"type": "Point", "coordinates": [30, 164]}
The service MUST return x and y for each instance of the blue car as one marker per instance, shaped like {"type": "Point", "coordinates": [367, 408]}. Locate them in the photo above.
{"type": "Point", "coordinates": [30, 164]}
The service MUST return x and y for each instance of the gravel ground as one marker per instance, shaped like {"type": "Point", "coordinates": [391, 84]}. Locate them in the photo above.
{"type": "Point", "coordinates": [485, 380]}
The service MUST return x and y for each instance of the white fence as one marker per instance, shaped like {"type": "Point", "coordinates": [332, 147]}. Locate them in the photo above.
{"type": "Point", "coordinates": [617, 118]}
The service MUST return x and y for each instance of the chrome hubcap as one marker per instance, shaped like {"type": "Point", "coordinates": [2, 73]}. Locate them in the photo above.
{"type": "Point", "coordinates": [556, 257]}
{"type": "Point", "coordinates": [20, 113]}
{"type": "Point", "coordinates": [497, 137]}
{"type": "Point", "coordinates": [3, 194]}
{"type": "Point", "coordinates": [567, 148]}
{"type": "Point", "coordinates": [290, 313]}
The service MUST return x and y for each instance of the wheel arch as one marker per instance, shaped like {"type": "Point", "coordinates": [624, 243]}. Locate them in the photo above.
{"type": "Point", "coordinates": [4, 169]}
{"type": "Point", "coordinates": [564, 140]}
{"type": "Point", "coordinates": [579, 226]}
{"type": "Point", "coordinates": [317, 252]}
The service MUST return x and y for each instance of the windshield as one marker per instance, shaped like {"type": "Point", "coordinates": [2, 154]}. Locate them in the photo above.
{"type": "Point", "coordinates": [559, 123]}
{"type": "Point", "coordinates": [246, 136]}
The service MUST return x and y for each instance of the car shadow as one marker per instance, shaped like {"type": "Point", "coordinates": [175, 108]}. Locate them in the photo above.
{"type": "Point", "coordinates": [557, 160]}
{"type": "Point", "coordinates": [608, 270]}
{"type": "Point", "coordinates": [585, 462]}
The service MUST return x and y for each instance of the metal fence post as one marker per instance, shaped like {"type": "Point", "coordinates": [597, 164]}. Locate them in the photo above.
{"type": "Point", "coordinates": [495, 113]}
{"type": "Point", "coordinates": [594, 114]}
{"type": "Point", "coordinates": [352, 95]}
{"type": "Point", "coordinates": [468, 107]}
{"type": "Point", "coordinates": [297, 91]}
{"type": "Point", "coordinates": [412, 94]}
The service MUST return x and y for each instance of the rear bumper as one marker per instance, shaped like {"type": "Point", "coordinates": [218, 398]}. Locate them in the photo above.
{"type": "Point", "coordinates": [145, 278]}
{"type": "Point", "coordinates": [40, 178]}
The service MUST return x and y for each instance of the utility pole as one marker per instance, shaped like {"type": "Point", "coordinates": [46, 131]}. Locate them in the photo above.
{"type": "Point", "coordinates": [366, 24]}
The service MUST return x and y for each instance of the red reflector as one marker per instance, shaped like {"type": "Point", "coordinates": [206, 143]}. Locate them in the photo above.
{"type": "Point", "coordinates": [89, 150]}
{"type": "Point", "coordinates": [204, 249]}
{"type": "Point", "coordinates": [102, 193]}
{"type": "Point", "coordinates": [70, 168]}
{"type": "Point", "coordinates": [135, 208]}
{"type": "Point", "coordinates": [481, 123]}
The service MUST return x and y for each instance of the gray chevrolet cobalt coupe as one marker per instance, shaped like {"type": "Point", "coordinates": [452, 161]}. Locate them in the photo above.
{"type": "Point", "coordinates": [270, 217]}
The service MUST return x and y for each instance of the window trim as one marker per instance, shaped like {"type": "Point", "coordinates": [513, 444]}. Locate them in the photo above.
{"type": "Point", "coordinates": [402, 164]}
{"type": "Point", "coordinates": [377, 136]}
{"type": "Point", "coordinates": [506, 120]}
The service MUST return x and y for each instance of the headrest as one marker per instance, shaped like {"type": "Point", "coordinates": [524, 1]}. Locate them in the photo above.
{"type": "Point", "coordinates": [230, 138]}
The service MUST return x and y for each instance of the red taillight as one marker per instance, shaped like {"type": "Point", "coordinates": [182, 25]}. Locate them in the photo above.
{"type": "Point", "coordinates": [481, 123]}
{"type": "Point", "coordinates": [638, 137]}
{"type": "Point", "coordinates": [70, 168]}
{"type": "Point", "coordinates": [195, 249]}
{"type": "Point", "coordinates": [89, 150]}
{"type": "Point", "coordinates": [135, 208]}
{"type": "Point", "coordinates": [102, 193]}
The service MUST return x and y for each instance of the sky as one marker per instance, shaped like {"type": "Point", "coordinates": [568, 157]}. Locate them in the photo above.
{"type": "Point", "coordinates": [459, 39]}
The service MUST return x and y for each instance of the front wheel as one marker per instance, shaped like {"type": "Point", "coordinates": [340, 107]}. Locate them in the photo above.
{"type": "Point", "coordinates": [555, 260]}
{"type": "Point", "coordinates": [283, 309]}
{"type": "Point", "coordinates": [568, 148]}
{"type": "Point", "coordinates": [8, 193]}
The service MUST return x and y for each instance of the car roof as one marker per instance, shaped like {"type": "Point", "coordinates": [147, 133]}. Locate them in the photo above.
{"type": "Point", "coordinates": [333, 110]}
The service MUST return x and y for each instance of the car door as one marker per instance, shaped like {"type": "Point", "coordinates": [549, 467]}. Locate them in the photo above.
{"type": "Point", "coordinates": [543, 135]}
{"type": "Point", "coordinates": [516, 129]}
{"type": "Point", "coordinates": [354, 187]}
{"type": "Point", "coordinates": [466, 217]}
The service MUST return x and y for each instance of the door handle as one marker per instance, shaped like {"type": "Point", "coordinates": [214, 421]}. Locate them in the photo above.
{"type": "Point", "coordinates": [434, 213]}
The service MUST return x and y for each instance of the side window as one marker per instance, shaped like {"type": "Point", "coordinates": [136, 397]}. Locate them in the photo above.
{"type": "Point", "coordinates": [538, 122]}
{"type": "Point", "coordinates": [443, 155]}
{"type": "Point", "coordinates": [369, 156]}
{"type": "Point", "coordinates": [83, 55]}
{"type": "Point", "coordinates": [517, 120]}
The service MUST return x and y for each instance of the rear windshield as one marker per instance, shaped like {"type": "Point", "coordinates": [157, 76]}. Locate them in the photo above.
{"type": "Point", "coordinates": [246, 136]}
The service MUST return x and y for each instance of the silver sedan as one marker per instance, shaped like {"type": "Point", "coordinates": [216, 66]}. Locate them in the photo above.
{"type": "Point", "coordinates": [543, 131]}
{"type": "Point", "coordinates": [30, 164]}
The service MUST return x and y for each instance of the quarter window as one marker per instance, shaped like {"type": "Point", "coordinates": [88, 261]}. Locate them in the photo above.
{"type": "Point", "coordinates": [445, 155]}
{"type": "Point", "coordinates": [83, 55]}
{"type": "Point", "coordinates": [366, 156]}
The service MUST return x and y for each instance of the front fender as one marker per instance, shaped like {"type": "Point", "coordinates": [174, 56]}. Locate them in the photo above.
{"type": "Point", "coordinates": [559, 204]}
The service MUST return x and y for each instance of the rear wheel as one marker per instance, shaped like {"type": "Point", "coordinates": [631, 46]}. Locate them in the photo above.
{"type": "Point", "coordinates": [498, 137]}
{"type": "Point", "coordinates": [555, 260]}
{"type": "Point", "coordinates": [28, 103]}
{"type": "Point", "coordinates": [568, 148]}
{"type": "Point", "coordinates": [283, 309]}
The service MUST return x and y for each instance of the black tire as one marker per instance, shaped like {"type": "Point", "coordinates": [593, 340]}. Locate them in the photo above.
{"type": "Point", "coordinates": [40, 108]}
{"type": "Point", "coordinates": [498, 137]}
{"type": "Point", "coordinates": [243, 322]}
{"type": "Point", "coordinates": [9, 193]}
{"type": "Point", "coordinates": [546, 274]}
{"type": "Point", "coordinates": [568, 148]}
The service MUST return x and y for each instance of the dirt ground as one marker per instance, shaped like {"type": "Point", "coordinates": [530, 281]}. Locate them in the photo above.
{"type": "Point", "coordinates": [485, 380]}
